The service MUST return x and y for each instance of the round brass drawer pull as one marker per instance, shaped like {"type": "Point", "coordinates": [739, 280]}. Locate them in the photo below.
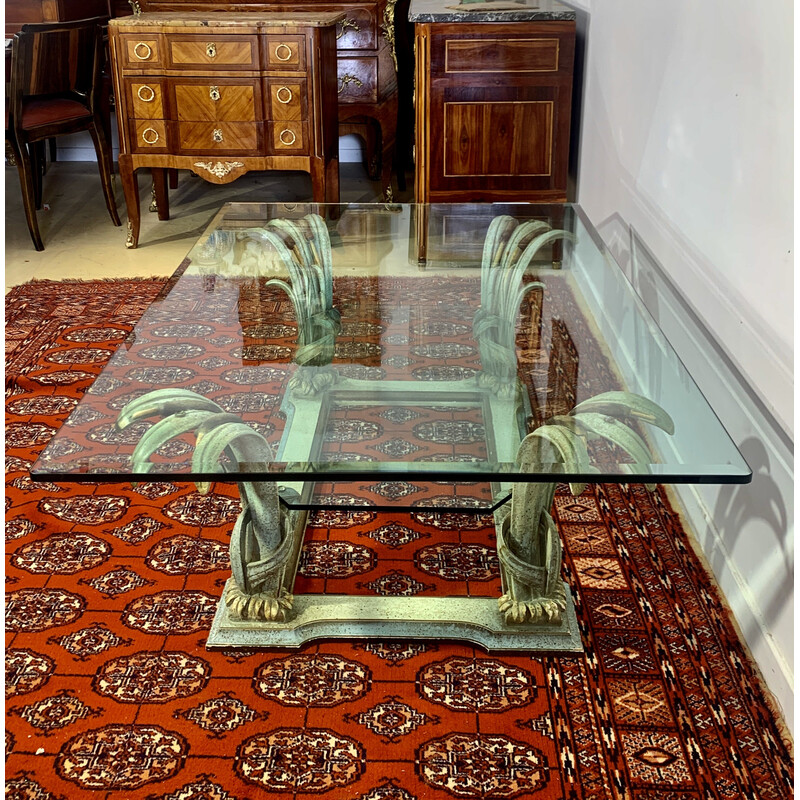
{"type": "Point", "coordinates": [288, 95]}
{"type": "Point", "coordinates": [142, 94]}
{"type": "Point", "coordinates": [146, 49]}
{"type": "Point", "coordinates": [286, 48]}
{"type": "Point", "coordinates": [217, 135]}
{"type": "Point", "coordinates": [286, 132]}
{"type": "Point", "coordinates": [153, 132]}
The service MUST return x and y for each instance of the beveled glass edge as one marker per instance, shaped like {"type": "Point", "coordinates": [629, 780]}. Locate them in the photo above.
{"type": "Point", "coordinates": [344, 472]}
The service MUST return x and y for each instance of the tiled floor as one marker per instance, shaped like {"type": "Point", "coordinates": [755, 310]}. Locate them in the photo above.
{"type": "Point", "coordinates": [81, 242]}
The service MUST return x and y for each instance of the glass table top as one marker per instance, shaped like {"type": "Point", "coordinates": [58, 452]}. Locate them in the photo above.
{"type": "Point", "coordinates": [403, 350]}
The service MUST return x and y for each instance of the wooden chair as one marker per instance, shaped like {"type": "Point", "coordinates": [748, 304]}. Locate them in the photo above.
{"type": "Point", "coordinates": [55, 89]}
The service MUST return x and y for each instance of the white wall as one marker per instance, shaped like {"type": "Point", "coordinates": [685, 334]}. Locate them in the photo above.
{"type": "Point", "coordinates": [686, 136]}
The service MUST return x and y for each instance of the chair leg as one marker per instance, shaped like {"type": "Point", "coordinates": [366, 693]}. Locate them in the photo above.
{"type": "Point", "coordinates": [37, 156]}
{"type": "Point", "coordinates": [103, 150]}
{"type": "Point", "coordinates": [26, 179]}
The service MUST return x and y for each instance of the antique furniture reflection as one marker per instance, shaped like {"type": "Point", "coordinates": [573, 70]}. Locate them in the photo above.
{"type": "Point", "coordinates": [221, 94]}
{"type": "Point", "coordinates": [493, 100]}
{"type": "Point", "coordinates": [55, 89]}
{"type": "Point", "coordinates": [366, 74]}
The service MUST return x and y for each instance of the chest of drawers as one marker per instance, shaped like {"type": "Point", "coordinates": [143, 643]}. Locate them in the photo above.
{"type": "Point", "coordinates": [366, 80]}
{"type": "Point", "coordinates": [221, 94]}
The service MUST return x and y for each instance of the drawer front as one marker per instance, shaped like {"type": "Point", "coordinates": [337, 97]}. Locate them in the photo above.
{"type": "Point", "coordinates": [357, 80]}
{"type": "Point", "coordinates": [210, 137]}
{"type": "Point", "coordinates": [287, 99]}
{"type": "Point", "coordinates": [141, 52]}
{"type": "Point", "coordinates": [286, 52]}
{"type": "Point", "coordinates": [149, 136]}
{"type": "Point", "coordinates": [501, 55]}
{"type": "Point", "coordinates": [212, 52]}
{"type": "Point", "coordinates": [145, 99]}
{"type": "Point", "coordinates": [214, 100]}
{"type": "Point", "coordinates": [358, 30]}
{"type": "Point", "coordinates": [287, 137]}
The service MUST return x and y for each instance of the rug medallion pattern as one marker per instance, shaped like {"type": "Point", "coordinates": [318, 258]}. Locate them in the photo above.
{"type": "Point", "coordinates": [111, 589]}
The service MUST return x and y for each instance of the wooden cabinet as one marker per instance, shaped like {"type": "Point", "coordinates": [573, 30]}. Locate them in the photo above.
{"type": "Point", "coordinates": [493, 103]}
{"type": "Point", "coordinates": [366, 74]}
{"type": "Point", "coordinates": [222, 94]}
{"type": "Point", "coordinates": [22, 12]}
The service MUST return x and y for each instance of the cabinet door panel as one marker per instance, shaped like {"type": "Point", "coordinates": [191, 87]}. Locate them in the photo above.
{"type": "Point", "coordinates": [498, 139]}
{"type": "Point", "coordinates": [490, 138]}
{"type": "Point", "coordinates": [216, 100]}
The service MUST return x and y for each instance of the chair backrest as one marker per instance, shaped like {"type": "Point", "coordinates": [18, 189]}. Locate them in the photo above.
{"type": "Point", "coordinates": [57, 59]}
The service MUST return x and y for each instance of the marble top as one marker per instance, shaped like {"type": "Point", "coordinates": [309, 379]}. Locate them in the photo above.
{"type": "Point", "coordinates": [210, 19]}
{"type": "Point", "coordinates": [489, 11]}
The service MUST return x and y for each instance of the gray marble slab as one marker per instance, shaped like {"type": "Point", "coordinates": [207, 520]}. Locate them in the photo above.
{"type": "Point", "coordinates": [489, 11]}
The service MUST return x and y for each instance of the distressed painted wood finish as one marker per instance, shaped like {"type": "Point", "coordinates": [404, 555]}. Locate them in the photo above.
{"type": "Point", "coordinates": [493, 107]}
{"type": "Point", "coordinates": [241, 93]}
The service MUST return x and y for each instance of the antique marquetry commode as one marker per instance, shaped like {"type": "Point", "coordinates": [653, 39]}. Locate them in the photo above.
{"type": "Point", "coordinates": [366, 71]}
{"type": "Point", "coordinates": [221, 94]}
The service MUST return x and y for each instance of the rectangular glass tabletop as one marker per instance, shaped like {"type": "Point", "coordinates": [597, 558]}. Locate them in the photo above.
{"type": "Point", "coordinates": [314, 345]}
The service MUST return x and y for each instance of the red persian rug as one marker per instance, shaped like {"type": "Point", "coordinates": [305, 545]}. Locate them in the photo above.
{"type": "Point", "coordinates": [111, 693]}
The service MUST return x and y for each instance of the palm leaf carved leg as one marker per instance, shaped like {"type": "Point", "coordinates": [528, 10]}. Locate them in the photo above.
{"type": "Point", "coordinates": [527, 540]}
{"type": "Point", "coordinates": [530, 554]}
{"type": "Point", "coordinates": [266, 540]}
{"type": "Point", "coordinates": [264, 551]}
